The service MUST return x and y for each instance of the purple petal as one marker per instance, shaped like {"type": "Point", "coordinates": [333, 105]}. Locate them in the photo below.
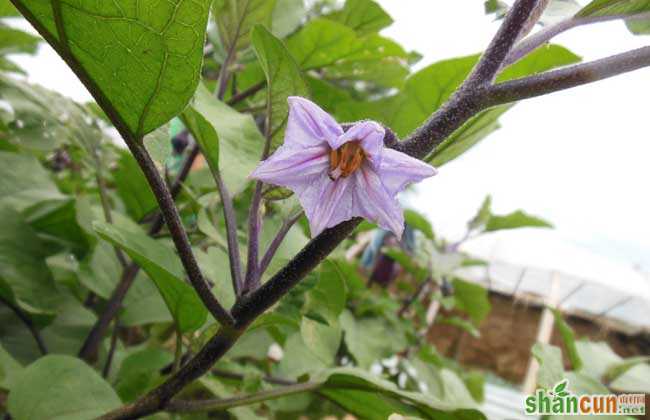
{"type": "Point", "coordinates": [374, 203]}
{"type": "Point", "coordinates": [331, 206]}
{"type": "Point", "coordinates": [397, 170]}
{"type": "Point", "coordinates": [309, 125]}
{"type": "Point", "coordinates": [371, 136]}
{"type": "Point", "coordinates": [293, 168]}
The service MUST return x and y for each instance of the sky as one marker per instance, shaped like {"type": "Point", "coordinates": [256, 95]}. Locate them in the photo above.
{"type": "Point", "coordinates": [579, 158]}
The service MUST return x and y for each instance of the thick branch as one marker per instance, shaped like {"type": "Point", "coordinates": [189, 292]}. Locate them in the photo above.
{"type": "Point", "coordinates": [511, 28]}
{"type": "Point", "coordinates": [566, 78]}
{"type": "Point", "coordinates": [177, 231]}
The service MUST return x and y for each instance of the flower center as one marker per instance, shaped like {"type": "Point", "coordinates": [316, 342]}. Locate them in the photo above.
{"type": "Point", "coordinates": [345, 160]}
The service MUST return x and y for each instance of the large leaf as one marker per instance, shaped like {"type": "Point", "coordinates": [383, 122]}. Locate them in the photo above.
{"type": "Point", "coordinates": [240, 142]}
{"type": "Point", "coordinates": [10, 369]}
{"type": "Point", "coordinates": [133, 188]}
{"type": "Point", "coordinates": [340, 53]}
{"type": "Point", "coordinates": [142, 59]}
{"type": "Point", "coordinates": [164, 268]}
{"type": "Point", "coordinates": [638, 25]}
{"type": "Point", "coordinates": [364, 16]}
{"type": "Point", "coordinates": [283, 77]}
{"type": "Point", "coordinates": [369, 396]}
{"type": "Point", "coordinates": [551, 369]}
{"type": "Point", "coordinates": [22, 265]}
{"type": "Point", "coordinates": [23, 181]}
{"type": "Point", "coordinates": [236, 18]}
{"type": "Point", "coordinates": [614, 7]}
{"type": "Point", "coordinates": [515, 220]}
{"type": "Point", "coordinates": [473, 299]}
{"type": "Point", "coordinates": [139, 371]}
{"type": "Point", "coordinates": [60, 387]}
{"type": "Point", "coordinates": [365, 339]}
{"type": "Point", "coordinates": [56, 222]}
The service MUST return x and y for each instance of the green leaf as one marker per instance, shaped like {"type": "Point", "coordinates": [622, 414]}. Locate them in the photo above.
{"type": "Point", "coordinates": [551, 369]}
{"type": "Point", "coordinates": [204, 134]}
{"type": "Point", "coordinates": [472, 298]}
{"type": "Point", "coordinates": [614, 7]}
{"type": "Point", "coordinates": [515, 220]}
{"type": "Point", "coordinates": [283, 77]}
{"type": "Point", "coordinates": [638, 26]}
{"type": "Point", "coordinates": [10, 369]}
{"type": "Point", "coordinates": [7, 9]}
{"type": "Point", "coordinates": [569, 340]}
{"type": "Point", "coordinates": [100, 271]}
{"type": "Point", "coordinates": [364, 16]}
{"type": "Point", "coordinates": [213, 263]}
{"type": "Point", "coordinates": [133, 188]}
{"type": "Point", "coordinates": [322, 340]}
{"type": "Point", "coordinates": [483, 215]}
{"type": "Point", "coordinates": [142, 58]}
{"type": "Point", "coordinates": [139, 371]}
{"type": "Point", "coordinates": [369, 396]}
{"type": "Point", "coordinates": [617, 370]}
{"type": "Point", "coordinates": [329, 295]}
{"type": "Point", "coordinates": [287, 16]}
{"type": "Point", "coordinates": [298, 359]}
{"type": "Point", "coordinates": [419, 221]}
{"type": "Point", "coordinates": [240, 142]}
{"type": "Point", "coordinates": [467, 136]}
{"type": "Point", "coordinates": [16, 41]}
{"type": "Point", "coordinates": [164, 268]}
{"type": "Point", "coordinates": [56, 222]}
{"type": "Point", "coordinates": [22, 265]}
{"type": "Point", "coordinates": [461, 323]}
{"type": "Point", "coordinates": [23, 181]}
{"type": "Point", "coordinates": [341, 54]}
{"type": "Point", "coordinates": [236, 18]}
{"type": "Point", "coordinates": [60, 387]}
{"type": "Point", "coordinates": [365, 339]}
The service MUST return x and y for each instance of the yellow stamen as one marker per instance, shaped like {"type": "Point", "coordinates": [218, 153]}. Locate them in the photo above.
{"type": "Point", "coordinates": [346, 159]}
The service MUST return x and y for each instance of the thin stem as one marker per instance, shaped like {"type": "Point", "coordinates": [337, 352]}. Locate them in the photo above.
{"type": "Point", "coordinates": [90, 346]}
{"type": "Point", "coordinates": [277, 241]}
{"type": "Point", "coordinates": [106, 207]}
{"type": "Point", "coordinates": [111, 350]}
{"type": "Point", "coordinates": [223, 404]}
{"type": "Point", "coordinates": [414, 297]}
{"type": "Point", "coordinates": [536, 40]}
{"type": "Point", "coordinates": [246, 93]}
{"type": "Point", "coordinates": [252, 280]}
{"type": "Point", "coordinates": [566, 78]}
{"type": "Point", "coordinates": [177, 231]}
{"type": "Point", "coordinates": [178, 350]}
{"type": "Point", "coordinates": [231, 234]}
{"type": "Point", "coordinates": [238, 376]}
{"type": "Point", "coordinates": [28, 323]}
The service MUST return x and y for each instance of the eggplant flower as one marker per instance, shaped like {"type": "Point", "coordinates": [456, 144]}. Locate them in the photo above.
{"type": "Point", "coordinates": [338, 175]}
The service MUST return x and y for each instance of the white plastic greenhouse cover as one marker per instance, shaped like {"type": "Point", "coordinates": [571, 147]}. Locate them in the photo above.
{"type": "Point", "coordinates": [525, 261]}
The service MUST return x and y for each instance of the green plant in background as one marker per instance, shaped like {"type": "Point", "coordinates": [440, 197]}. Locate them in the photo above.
{"type": "Point", "coordinates": [114, 261]}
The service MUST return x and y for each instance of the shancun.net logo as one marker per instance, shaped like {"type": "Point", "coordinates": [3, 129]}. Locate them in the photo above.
{"type": "Point", "coordinates": [560, 400]}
